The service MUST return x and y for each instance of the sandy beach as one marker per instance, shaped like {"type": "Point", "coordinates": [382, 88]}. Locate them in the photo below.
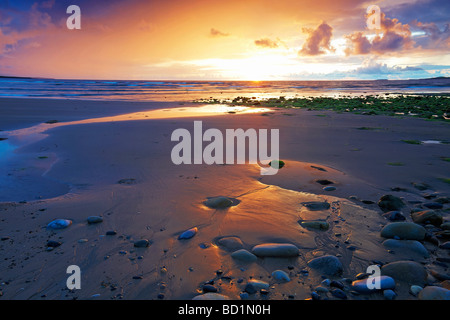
{"type": "Point", "coordinates": [121, 170]}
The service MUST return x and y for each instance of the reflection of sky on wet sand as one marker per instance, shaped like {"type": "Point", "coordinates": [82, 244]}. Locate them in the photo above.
{"type": "Point", "coordinates": [5, 149]}
{"type": "Point", "coordinates": [182, 112]}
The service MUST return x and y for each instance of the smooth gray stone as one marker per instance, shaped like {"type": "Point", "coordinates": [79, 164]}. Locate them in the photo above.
{"type": "Point", "coordinates": [244, 256]}
{"type": "Point", "coordinates": [410, 272]}
{"type": "Point", "coordinates": [328, 265]}
{"type": "Point", "coordinates": [254, 286]}
{"type": "Point", "coordinates": [389, 202]}
{"type": "Point", "coordinates": [316, 205]}
{"type": "Point", "coordinates": [404, 230]}
{"type": "Point", "coordinates": [434, 293]}
{"type": "Point", "coordinates": [389, 294]}
{"type": "Point", "coordinates": [385, 282]}
{"type": "Point", "coordinates": [281, 276]}
{"type": "Point", "coordinates": [230, 243]}
{"type": "Point", "coordinates": [211, 296]}
{"type": "Point", "coordinates": [315, 224]}
{"type": "Point", "coordinates": [275, 250]}
{"type": "Point", "coordinates": [394, 216]}
{"type": "Point", "coordinates": [94, 219]}
{"type": "Point", "coordinates": [427, 217]}
{"type": "Point", "coordinates": [218, 202]}
{"type": "Point", "coordinates": [143, 243]}
{"type": "Point", "coordinates": [406, 247]}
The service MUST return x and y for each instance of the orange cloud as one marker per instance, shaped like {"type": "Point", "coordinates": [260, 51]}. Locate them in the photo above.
{"type": "Point", "coordinates": [266, 43]}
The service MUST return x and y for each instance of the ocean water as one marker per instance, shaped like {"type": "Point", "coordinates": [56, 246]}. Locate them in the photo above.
{"type": "Point", "coordinates": [192, 90]}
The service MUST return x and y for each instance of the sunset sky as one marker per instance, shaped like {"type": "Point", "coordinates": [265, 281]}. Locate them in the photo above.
{"type": "Point", "coordinates": [226, 40]}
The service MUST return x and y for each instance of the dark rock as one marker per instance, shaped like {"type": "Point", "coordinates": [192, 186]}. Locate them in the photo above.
{"type": "Point", "coordinates": [209, 288]}
{"type": "Point", "coordinates": [394, 216]}
{"type": "Point", "coordinates": [337, 284]}
{"type": "Point", "coordinates": [390, 203]}
{"type": "Point", "coordinates": [111, 233]}
{"type": "Point", "coordinates": [328, 265]}
{"type": "Point", "coordinates": [94, 219]}
{"type": "Point", "coordinates": [324, 182]}
{"type": "Point", "coordinates": [128, 181]}
{"type": "Point", "coordinates": [219, 202]}
{"type": "Point", "coordinates": [404, 230]}
{"type": "Point", "coordinates": [433, 205]}
{"type": "Point", "coordinates": [420, 186]}
{"type": "Point", "coordinates": [410, 272]}
{"type": "Point", "coordinates": [143, 243]}
{"type": "Point", "coordinates": [338, 293]}
{"type": "Point", "coordinates": [53, 244]}
{"type": "Point", "coordinates": [427, 217]}
{"type": "Point", "coordinates": [316, 205]}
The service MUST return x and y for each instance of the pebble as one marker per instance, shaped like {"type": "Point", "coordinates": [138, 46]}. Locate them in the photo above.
{"type": "Point", "coordinates": [407, 271]}
{"type": "Point", "coordinates": [244, 295]}
{"type": "Point", "coordinates": [111, 233]}
{"type": "Point", "coordinates": [244, 256]}
{"type": "Point", "coordinates": [188, 233]}
{"type": "Point", "coordinates": [434, 293]}
{"type": "Point", "coordinates": [328, 264]}
{"type": "Point", "coordinates": [316, 205]}
{"type": "Point", "coordinates": [361, 286]}
{"type": "Point", "coordinates": [433, 205]}
{"type": "Point", "coordinates": [53, 244]}
{"type": "Point", "coordinates": [315, 296]}
{"type": "Point", "coordinates": [415, 289]}
{"type": "Point", "coordinates": [338, 293]}
{"type": "Point", "coordinates": [59, 224]}
{"type": "Point", "coordinates": [315, 224]}
{"type": "Point", "coordinates": [211, 296]}
{"type": "Point", "coordinates": [445, 225]}
{"type": "Point", "coordinates": [407, 247]}
{"type": "Point", "coordinates": [321, 289]}
{"type": "Point", "coordinates": [427, 217]}
{"type": "Point", "coordinates": [94, 219]}
{"type": "Point", "coordinates": [389, 294]}
{"type": "Point", "coordinates": [218, 202]}
{"type": "Point", "coordinates": [230, 243]}
{"type": "Point", "coordinates": [420, 186]}
{"type": "Point", "coordinates": [277, 164]}
{"type": "Point", "coordinates": [281, 276]}
{"type": "Point", "coordinates": [254, 286]}
{"type": "Point", "coordinates": [329, 188]}
{"type": "Point", "coordinates": [82, 240]}
{"type": "Point", "coordinates": [209, 288]}
{"type": "Point", "coordinates": [143, 243]}
{"type": "Point", "coordinates": [275, 250]}
{"type": "Point", "coordinates": [337, 284]}
{"type": "Point", "coordinates": [394, 216]}
{"type": "Point", "coordinates": [404, 230]}
{"type": "Point", "coordinates": [445, 245]}
{"type": "Point", "coordinates": [390, 203]}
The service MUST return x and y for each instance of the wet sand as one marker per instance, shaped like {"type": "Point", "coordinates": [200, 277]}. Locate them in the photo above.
{"type": "Point", "coordinates": [122, 171]}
